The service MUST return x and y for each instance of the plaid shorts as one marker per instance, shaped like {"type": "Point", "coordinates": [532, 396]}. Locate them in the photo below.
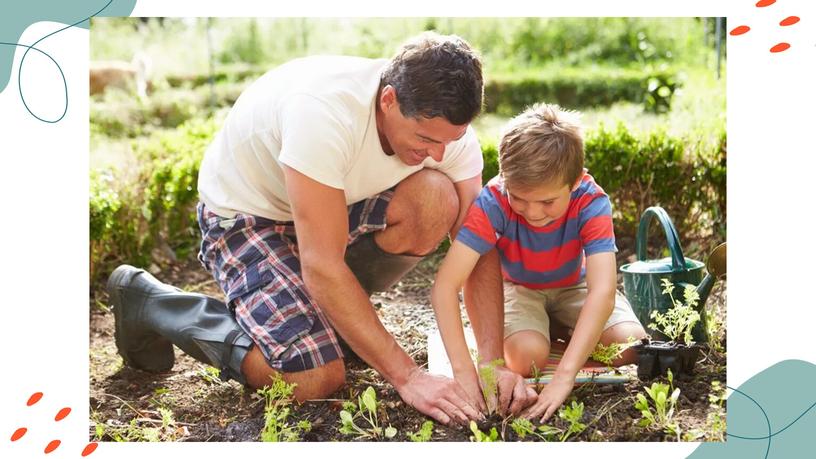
{"type": "Point", "coordinates": [255, 262]}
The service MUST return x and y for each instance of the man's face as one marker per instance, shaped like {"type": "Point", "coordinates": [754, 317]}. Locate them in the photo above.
{"type": "Point", "coordinates": [542, 204]}
{"type": "Point", "coordinates": [413, 140]}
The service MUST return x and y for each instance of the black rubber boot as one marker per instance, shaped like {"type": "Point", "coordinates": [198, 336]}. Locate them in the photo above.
{"type": "Point", "coordinates": [152, 316]}
{"type": "Point", "coordinates": [376, 269]}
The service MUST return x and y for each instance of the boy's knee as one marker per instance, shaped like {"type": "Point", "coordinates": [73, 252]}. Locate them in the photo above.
{"type": "Point", "coordinates": [623, 333]}
{"type": "Point", "coordinates": [524, 349]}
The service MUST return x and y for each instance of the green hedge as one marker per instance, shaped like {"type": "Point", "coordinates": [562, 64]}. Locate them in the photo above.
{"type": "Point", "coordinates": [685, 177]}
{"type": "Point", "coordinates": [118, 114]}
{"type": "Point", "coordinates": [581, 88]}
{"type": "Point", "coordinates": [153, 219]}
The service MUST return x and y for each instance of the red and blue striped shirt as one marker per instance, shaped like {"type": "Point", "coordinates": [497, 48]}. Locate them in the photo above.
{"type": "Point", "coordinates": [551, 256]}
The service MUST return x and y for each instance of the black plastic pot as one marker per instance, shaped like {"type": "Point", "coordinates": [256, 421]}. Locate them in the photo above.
{"type": "Point", "coordinates": [656, 357]}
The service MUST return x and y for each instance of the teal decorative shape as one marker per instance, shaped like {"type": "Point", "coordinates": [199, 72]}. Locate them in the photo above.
{"type": "Point", "coordinates": [771, 415]}
{"type": "Point", "coordinates": [15, 17]}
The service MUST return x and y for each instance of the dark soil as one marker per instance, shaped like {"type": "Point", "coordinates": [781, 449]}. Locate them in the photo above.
{"type": "Point", "coordinates": [128, 404]}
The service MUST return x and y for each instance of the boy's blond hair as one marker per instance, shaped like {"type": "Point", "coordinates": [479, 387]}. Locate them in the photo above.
{"type": "Point", "coordinates": [542, 145]}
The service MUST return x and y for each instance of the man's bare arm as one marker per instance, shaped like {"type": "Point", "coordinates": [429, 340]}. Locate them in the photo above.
{"type": "Point", "coordinates": [466, 190]}
{"type": "Point", "coordinates": [321, 222]}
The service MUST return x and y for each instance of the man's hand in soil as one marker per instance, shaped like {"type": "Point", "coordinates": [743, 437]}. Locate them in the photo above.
{"type": "Point", "coordinates": [438, 397]}
{"type": "Point", "coordinates": [513, 393]}
{"type": "Point", "coordinates": [469, 381]}
{"type": "Point", "coordinates": [551, 398]}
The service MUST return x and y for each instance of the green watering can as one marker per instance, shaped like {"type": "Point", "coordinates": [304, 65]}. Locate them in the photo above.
{"type": "Point", "coordinates": [642, 279]}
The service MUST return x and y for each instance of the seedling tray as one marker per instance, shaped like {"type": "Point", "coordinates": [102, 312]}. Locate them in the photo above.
{"type": "Point", "coordinates": [655, 358]}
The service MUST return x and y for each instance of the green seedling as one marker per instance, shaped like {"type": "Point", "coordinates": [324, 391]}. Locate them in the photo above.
{"type": "Point", "coordinates": [715, 326]}
{"type": "Point", "coordinates": [479, 436]}
{"type": "Point", "coordinates": [490, 384]}
{"type": "Point", "coordinates": [423, 434]}
{"type": "Point", "coordinates": [211, 374]}
{"type": "Point", "coordinates": [608, 354]}
{"type": "Point", "coordinates": [657, 412]}
{"type": "Point", "coordinates": [523, 427]}
{"type": "Point", "coordinates": [679, 320]}
{"type": "Point", "coordinates": [146, 430]}
{"type": "Point", "coordinates": [367, 408]}
{"type": "Point", "coordinates": [278, 397]}
{"type": "Point", "coordinates": [715, 420]}
{"type": "Point", "coordinates": [572, 414]}
{"type": "Point", "coordinates": [536, 374]}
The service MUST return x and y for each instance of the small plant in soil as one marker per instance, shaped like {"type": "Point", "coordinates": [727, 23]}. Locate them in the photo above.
{"type": "Point", "coordinates": [715, 421]}
{"type": "Point", "coordinates": [211, 375]}
{"type": "Point", "coordinates": [524, 427]}
{"type": "Point", "coordinates": [536, 374]}
{"type": "Point", "coordinates": [278, 397]}
{"type": "Point", "coordinates": [479, 436]}
{"type": "Point", "coordinates": [367, 409]}
{"type": "Point", "coordinates": [423, 434]}
{"type": "Point", "coordinates": [146, 430]}
{"type": "Point", "coordinates": [490, 388]}
{"type": "Point", "coordinates": [657, 412]}
{"type": "Point", "coordinates": [572, 414]}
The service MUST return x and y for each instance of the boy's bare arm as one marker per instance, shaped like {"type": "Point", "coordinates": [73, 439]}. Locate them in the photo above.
{"type": "Point", "coordinates": [601, 284]}
{"type": "Point", "coordinates": [455, 268]}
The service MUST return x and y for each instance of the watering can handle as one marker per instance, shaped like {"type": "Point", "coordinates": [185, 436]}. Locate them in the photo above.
{"type": "Point", "coordinates": [678, 261]}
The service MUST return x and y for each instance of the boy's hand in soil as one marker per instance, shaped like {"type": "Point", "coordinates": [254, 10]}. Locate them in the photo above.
{"type": "Point", "coordinates": [551, 398]}
{"type": "Point", "coordinates": [438, 397]}
{"type": "Point", "coordinates": [513, 393]}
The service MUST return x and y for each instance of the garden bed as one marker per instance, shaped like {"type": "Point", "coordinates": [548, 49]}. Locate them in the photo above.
{"type": "Point", "coordinates": [189, 404]}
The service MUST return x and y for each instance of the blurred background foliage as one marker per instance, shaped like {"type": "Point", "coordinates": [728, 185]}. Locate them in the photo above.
{"type": "Point", "coordinates": [651, 90]}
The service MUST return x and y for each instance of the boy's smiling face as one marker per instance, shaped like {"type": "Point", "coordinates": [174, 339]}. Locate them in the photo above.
{"type": "Point", "coordinates": [542, 204]}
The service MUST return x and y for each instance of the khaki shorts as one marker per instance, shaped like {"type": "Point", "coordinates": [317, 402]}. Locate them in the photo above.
{"type": "Point", "coordinates": [528, 309]}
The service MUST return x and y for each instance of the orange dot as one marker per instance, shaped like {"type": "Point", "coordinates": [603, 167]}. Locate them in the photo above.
{"type": "Point", "coordinates": [89, 449]}
{"type": "Point", "coordinates": [18, 434]}
{"type": "Point", "coordinates": [764, 3]}
{"type": "Point", "coordinates": [740, 30]}
{"type": "Point", "coordinates": [35, 397]}
{"type": "Point", "coordinates": [62, 414]}
{"type": "Point", "coordinates": [52, 445]}
{"type": "Point", "coordinates": [779, 47]}
{"type": "Point", "coordinates": [790, 20]}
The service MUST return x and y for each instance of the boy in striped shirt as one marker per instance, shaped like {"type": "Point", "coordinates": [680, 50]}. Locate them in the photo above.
{"type": "Point", "coordinates": [551, 226]}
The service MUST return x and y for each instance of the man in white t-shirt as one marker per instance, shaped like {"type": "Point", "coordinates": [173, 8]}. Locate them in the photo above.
{"type": "Point", "coordinates": [331, 178]}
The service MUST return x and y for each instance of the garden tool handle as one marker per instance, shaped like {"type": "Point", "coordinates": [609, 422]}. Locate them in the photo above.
{"type": "Point", "coordinates": [678, 261]}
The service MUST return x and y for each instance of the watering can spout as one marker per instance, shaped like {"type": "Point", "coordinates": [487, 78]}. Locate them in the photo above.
{"type": "Point", "coordinates": [716, 269]}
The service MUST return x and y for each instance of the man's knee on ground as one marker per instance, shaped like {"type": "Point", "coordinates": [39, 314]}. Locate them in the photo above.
{"type": "Point", "coordinates": [314, 383]}
{"type": "Point", "coordinates": [423, 211]}
{"type": "Point", "coordinates": [524, 349]}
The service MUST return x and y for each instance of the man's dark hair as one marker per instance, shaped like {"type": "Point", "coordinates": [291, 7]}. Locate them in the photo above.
{"type": "Point", "coordinates": [436, 75]}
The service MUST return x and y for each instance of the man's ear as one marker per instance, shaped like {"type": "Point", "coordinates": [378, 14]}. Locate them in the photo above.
{"type": "Point", "coordinates": [388, 97]}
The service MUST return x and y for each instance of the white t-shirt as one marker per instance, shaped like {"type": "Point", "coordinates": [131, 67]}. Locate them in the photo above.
{"type": "Point", "coordinates": [316, 115]}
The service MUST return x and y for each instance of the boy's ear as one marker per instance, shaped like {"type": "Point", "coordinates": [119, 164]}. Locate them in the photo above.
{"type": "Point", "coordinates": [577, 183]}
